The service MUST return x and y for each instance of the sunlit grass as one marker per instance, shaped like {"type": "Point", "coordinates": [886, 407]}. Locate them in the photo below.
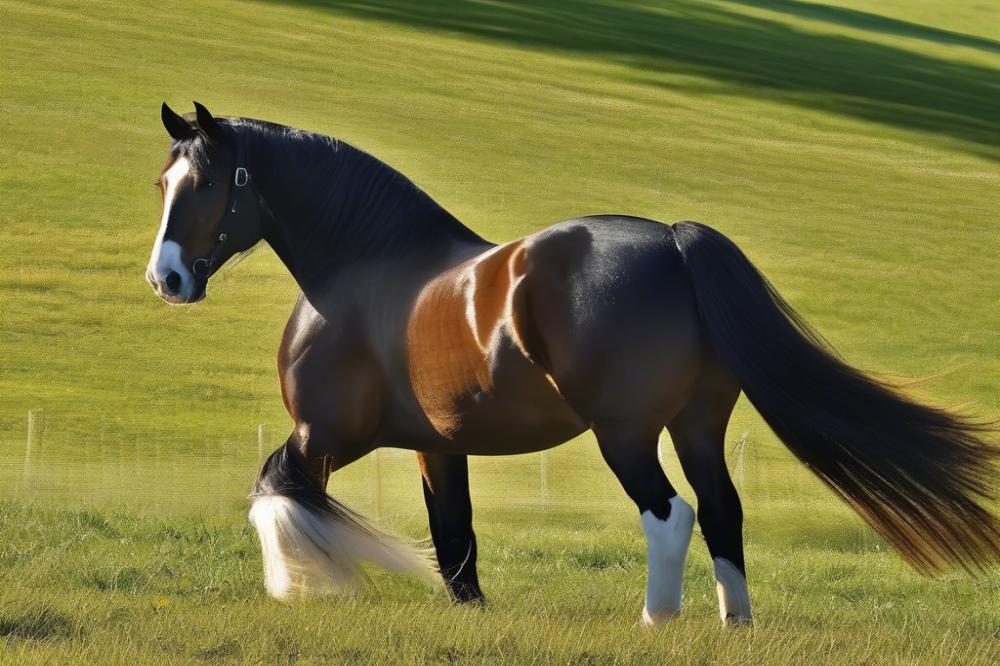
{"type": "Point", "coordinates": [119, 589]}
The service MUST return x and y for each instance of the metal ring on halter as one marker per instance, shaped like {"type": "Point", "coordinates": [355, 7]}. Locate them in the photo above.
{"type": "Point", "coordinates": [197, 262]}
{"type": "Point", "coordinates": [241, 178]}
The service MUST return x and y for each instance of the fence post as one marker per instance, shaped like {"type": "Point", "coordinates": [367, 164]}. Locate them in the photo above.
{"type": "Point", "coordinates": [543, 469]}
{"type": "Point", "coordinates": [36, 429]}
{"type": "Point", "coordinates": [157, 476]}
{"type": "Point", "coordinates": [377, 483]}
{"type": "Point", "coordinates": [260, 444]}
{"type": "Point", "coordinates": [739, 466]}
{"type": "Point", "coordinates": [105, 485]}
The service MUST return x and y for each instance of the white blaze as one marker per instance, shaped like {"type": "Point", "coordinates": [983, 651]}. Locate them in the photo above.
{"type": "Point", "coordinates": [667, 546]}
{"type": "Point", "coordinates": [166, 255]}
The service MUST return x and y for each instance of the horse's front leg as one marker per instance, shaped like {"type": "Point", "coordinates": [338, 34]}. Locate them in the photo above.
{"type": "Point", "coordinates": [310, 542]}
{"type": "Point", "coordinates": [449, 507]}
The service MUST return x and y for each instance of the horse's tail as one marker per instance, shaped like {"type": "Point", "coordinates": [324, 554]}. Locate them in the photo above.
{"type": "Point", "coordinates": [310, 542]}
{"type": "Point", "coordinates": [921, 476]}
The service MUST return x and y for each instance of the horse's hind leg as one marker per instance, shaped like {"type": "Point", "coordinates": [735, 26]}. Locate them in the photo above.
{"type": "Point", "coordinates": [667, 520]}
{"type": "Point", "coordinates": [698, 432]}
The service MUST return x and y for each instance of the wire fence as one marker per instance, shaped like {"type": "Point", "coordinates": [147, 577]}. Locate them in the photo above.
{"type": "Point", "coordinates": [50, 461]}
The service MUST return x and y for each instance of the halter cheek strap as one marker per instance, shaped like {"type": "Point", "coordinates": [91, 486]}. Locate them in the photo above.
{"type": "Point", "coordinates": [243, 197]}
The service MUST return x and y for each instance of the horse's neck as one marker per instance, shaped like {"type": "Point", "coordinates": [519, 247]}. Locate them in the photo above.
{"type": "Point", "coordinates": [324, 219]}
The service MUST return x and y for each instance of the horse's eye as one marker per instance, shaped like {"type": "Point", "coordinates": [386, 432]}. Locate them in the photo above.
{"type": "Point", "coordinates": [210, 184]}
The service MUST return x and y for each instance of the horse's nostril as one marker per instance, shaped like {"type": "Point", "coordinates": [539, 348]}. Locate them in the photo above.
{"type": "Point", "coordinates": [173, 281]}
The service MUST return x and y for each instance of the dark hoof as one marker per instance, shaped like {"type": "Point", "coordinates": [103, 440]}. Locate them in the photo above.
{"type": "Point", "coordinates": [462, 594]}
{"type": "Point", "coordinates": [474, 602]}
{"type": "Point", "coordinates": [737, 621]}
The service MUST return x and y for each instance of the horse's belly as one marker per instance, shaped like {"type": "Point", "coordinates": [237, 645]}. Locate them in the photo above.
{"type": "Point", "coordinates": [514, 406]}
{"type": "Point", "coordinates": [519, 416]}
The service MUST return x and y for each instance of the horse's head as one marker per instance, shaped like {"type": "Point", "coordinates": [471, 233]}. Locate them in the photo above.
{"type": "Point", "coordinates": [210, 208]}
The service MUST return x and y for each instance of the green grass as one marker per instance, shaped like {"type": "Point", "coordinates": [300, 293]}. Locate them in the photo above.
{"type": "Point", "coordinates": [852, 149]}
{"type": "Point", "coordinates": [98, 588]}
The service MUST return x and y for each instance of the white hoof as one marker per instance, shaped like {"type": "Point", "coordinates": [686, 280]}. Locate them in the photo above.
{"type": "Point", "coordinates": [657, 618]}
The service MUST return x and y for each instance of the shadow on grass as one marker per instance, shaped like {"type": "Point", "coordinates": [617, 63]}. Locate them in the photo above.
{"type": "Point", "coordinates": [756, 57]}
{"type": "Point", "coordinates": [861, 20]}
{"type": "Point", "coordinates": [42, 625]}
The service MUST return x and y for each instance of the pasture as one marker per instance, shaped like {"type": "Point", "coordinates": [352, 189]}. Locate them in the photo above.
{"type": "Point", "coordinates": [851, 148]}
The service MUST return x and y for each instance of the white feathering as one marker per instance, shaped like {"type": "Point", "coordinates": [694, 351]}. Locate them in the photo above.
{"type": "Point", "coordinates": [308, 553]}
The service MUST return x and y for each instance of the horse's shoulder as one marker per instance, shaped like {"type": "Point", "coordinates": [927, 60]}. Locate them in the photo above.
{"type": "Point", "coordinates": [457, 323]}
{"type": "Point", "coordinates": [303, 326]}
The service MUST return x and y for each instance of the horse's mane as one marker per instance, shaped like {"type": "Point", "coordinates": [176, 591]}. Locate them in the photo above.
{"type": "Point", "coordinates": [329, 194]}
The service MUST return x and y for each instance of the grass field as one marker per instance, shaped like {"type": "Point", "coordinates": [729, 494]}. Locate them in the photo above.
{"type": "Point", "coordinates": [852, 148]}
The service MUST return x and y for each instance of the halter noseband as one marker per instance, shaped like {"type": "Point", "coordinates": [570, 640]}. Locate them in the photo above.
{"type": "Point", "coordinates": [203, 268]}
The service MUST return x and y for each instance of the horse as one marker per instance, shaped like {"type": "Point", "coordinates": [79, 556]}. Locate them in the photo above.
{"type": "Point", "coordinates": [412, 331]}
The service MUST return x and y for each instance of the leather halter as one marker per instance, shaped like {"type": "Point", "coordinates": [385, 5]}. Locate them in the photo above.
{"type": "Point", "coordinates": [244, 196]}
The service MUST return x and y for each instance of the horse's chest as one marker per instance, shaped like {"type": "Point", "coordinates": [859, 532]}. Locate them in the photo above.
{"type": "Point", "coordinates": [472, 378]}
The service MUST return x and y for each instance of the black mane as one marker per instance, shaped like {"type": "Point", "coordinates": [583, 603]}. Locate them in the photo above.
{"type": "Point", "coordinates": [327, 202]}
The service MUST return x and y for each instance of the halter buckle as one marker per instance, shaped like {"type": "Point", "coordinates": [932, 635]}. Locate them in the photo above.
{"type": "Point", "coordinates": [241, 178]}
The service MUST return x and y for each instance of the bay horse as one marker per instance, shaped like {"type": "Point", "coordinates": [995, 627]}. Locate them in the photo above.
{"type": "Point", "coordinates": [412, 331]}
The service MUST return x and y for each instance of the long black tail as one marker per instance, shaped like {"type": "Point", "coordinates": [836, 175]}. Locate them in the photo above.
{"type": "Point", "coordinates": [921, 476]}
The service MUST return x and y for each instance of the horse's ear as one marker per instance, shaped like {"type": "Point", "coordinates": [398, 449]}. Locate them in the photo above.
{"type": "Point", "coordinates": [176, 126]}
{"type": "Point", "coordinates": [208, 124]}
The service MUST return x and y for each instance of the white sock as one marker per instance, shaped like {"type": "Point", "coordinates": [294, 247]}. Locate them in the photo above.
{"type": "Point", "coordinates": [667, 545]}
{"type": "Point", "coordinates": [734, 598]}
